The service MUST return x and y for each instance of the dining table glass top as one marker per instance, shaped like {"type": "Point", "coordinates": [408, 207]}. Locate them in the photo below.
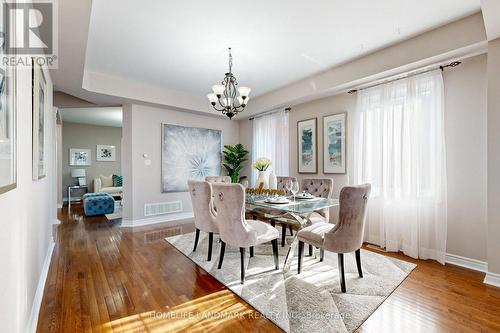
{"type": "Point", "coordinates": [298, 206]}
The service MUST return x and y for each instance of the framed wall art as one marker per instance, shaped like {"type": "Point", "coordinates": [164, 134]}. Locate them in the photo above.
{"type": "Point", "coordinates": [189, 153]}
{"type": "Point", "coordinates": [307, 155]}
{"type": "Point", "coordinates": [38, 112]}
{"type": "Point", "coordinates": [334, 143]}
{"type": "Point", "coordinates": [106, 153]}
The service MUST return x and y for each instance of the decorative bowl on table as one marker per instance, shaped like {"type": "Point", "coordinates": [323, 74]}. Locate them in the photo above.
{"type": "Point", "coordinates": [304, 195]}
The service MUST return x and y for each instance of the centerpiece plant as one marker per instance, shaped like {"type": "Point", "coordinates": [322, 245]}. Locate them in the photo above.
{"type": "Point", "coordinates": [234, 156]}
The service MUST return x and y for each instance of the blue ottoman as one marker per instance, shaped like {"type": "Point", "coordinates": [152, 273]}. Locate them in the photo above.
{"type": "Point", "coordinates": [98, 204]}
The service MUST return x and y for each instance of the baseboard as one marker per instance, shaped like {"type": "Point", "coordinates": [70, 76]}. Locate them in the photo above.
{"type": "Point", "coordinates": [492, 279]}
{"type": "Point", "coordinates": [37, 301]}
{"type": "Point", "coordinates": [157, 219]}
{"type": "Point", "coordinates": [465, 262]}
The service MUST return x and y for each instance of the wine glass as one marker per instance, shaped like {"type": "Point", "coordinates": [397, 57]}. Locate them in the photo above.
{"type": "Point", "coordinates": [294, 188]}
{"type": "Point", "coordinates": [288, 185]}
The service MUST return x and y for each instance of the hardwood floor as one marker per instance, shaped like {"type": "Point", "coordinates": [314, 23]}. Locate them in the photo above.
{"type": "Point", "coordinates": [104, 278]}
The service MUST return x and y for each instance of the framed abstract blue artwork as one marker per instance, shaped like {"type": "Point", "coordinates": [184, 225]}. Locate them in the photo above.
{"type": "Point", "coordinates": [334, 143]}
{"type": "Point", "coordinates": [307, 146]}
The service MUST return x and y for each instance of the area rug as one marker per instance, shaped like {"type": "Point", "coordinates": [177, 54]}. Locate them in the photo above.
{"type": "Point", "coordinates": [311, 301]}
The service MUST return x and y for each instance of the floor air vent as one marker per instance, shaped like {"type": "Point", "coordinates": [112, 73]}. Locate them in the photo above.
{"type": "Point", "coordinates": [160, 208]}
{"type": "Point", "coordinates": [152, 236]}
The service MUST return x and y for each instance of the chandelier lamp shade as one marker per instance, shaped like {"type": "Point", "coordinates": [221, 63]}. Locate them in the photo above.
{"type": "Point", "coordinates": [227, 97]}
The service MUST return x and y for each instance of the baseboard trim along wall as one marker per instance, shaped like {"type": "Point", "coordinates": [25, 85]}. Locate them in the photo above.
{"type": "Point", "coordinates": [158, 219]}
{"type": "Point", "coordinates": [37, 301]}
{"type": "Point", "coordinates": [492, 279]}
{"type": "Point", "coordinates": [465, 262]}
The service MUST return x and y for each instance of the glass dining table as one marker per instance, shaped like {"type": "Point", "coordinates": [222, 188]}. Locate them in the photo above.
{"type": "Point", "coordinates": [295, 212]}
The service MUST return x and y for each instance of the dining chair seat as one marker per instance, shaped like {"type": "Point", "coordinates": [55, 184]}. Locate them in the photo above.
{"type": "Point", "coordinates": [263, 232]}
{"type": "Point", "coordinates": [315, 234]}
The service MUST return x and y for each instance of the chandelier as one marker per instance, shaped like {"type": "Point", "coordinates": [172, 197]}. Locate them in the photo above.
{"type": "Point", "coordinates": [224, 99]}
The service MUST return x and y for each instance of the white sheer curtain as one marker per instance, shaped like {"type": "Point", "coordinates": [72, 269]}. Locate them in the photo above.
{"type": "Point", "coordinates": [400, 149]}
{"type": "Point", "coordinates": [270, 139]}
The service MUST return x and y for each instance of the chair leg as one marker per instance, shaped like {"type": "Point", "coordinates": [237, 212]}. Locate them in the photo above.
{"type": "Point", "coordinates": [358, 262]}
{"type": "Point", "coordinates": [196, 238]}
{"type": "Point", "coordinates": [321, 254]}
{"type": "Point", "coordinates": [283, 235]}
{"type": "Point", "coordinates": [301, 255]}
{"type": "Point", "coordinates": [210, 242]}
{"type": "Point", "coordinates": [251, 251]}
{"type": "Point", "coordinates": [222, 250]}
{"type": "Point", "coordinates": [291, 230]}
{"type": "Point", "coordinates": [341, 271]}
{"type": "Point", "coordinates": [242, 255]}
{"type": "Point", "coordinates": [273, 223]}
{"type": "Point", "coordinates": [310, 250]}
{"type": "Point", "coordinates": [274, 242]}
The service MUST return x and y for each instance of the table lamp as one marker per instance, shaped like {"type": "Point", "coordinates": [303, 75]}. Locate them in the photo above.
{"type": "Point", "coordinates": [79, 174]}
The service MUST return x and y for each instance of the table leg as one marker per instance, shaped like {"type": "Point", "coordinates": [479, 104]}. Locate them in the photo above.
{"type": "Point", "coordinates": [303, 220]}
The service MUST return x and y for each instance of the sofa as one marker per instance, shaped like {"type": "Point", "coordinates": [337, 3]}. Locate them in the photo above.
{"type": "Point", "coordinates": [104, 184]}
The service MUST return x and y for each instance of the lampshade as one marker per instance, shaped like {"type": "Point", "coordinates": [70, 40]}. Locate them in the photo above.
{"type": "Point", "coordinates": [212, 98]}
{"type": "Point", "coordinates": [77, 173]}
{"type": "Point", "coordinates": [244, 91]}
{"type": "Point", "coordinates": [218, 89]}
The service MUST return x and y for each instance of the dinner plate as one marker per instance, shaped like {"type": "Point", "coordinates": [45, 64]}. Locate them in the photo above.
{"type": "Point", "coordinates": [279, 202]}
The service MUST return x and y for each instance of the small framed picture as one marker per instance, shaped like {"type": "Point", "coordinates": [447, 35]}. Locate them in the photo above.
{"type": "Point", "coordinates": [307, 146]}
{"type": "Point", "coordinates": [80, 157]}
{"type": "Point", "coordinates": [106, 153]}
{"type": "Point", "coordinates": [334, 143]}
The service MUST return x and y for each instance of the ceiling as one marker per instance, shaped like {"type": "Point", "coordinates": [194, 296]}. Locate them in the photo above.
{"type": "Point", "coordinates": [182, 45]}
{"type": "Point", "coordinates": [105, 116]}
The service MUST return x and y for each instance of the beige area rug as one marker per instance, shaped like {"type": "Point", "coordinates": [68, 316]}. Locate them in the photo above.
{"type": "Point", "coordinates": [311, 301]}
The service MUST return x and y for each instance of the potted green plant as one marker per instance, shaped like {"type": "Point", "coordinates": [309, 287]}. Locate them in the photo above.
{"type": "Point", "coordinates": [234, 156]}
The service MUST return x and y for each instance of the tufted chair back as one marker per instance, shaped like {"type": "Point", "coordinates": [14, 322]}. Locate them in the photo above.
{"type": "Point", "coordinates": [347, 235]}
{"type": "Point", "coordinates": [201, 198]}
{"type": "Point", "coordinates": [218, 179]}
{"type": "Point", "coordinates": [320, 187]}
{"type": "Point", "coordinates": [230, 202]}
{"type": "Point", "coordinates": [282, 181]}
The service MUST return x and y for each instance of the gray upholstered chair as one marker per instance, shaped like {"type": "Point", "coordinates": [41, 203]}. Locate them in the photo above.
{"type": "Point", "coordinates": [344, 237]}
{"type": "Point", "coordinates": [235, 230]}
{"type": "Point", "coordinates": [204, 214]}
{"type": "Point", "coordinates": [319, 187]}
{"type": "Point", "coordinates": [282, 182]}
{"type": "Point", "coordinates": [218, 179]}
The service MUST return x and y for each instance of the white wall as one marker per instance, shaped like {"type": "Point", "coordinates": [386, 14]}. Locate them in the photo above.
{"type": "Point", "coordinates": [26, 215]}
{"type": "Point", "coordinates": [142, 135]}
{"type": "Point", "coordinates": [87, 136]}
{"type": "Point", "coordinates": [494, 158]}
{"type": "Point", "coordinates": [465, 121]}
{"type": "Point", "coordinates": [465, 130]}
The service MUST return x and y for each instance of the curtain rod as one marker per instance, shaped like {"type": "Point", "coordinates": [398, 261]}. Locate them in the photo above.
{"type": "Point", "coordinates": [407, 75]}
{"type": "Point", "coordinates": [287, 109]}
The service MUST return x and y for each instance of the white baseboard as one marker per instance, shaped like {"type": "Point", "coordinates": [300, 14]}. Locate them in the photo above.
{"type": "Point", "coordinates": [37, 301]}
{"type": "Point", "coordinates": [492, 279]}
{"type": "Point", "coordinates": [157, 219]}
{"type": "Point", "coordinates": [465, 262]}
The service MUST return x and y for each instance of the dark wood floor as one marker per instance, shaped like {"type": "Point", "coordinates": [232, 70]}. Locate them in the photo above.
{"type": "Point", "coordinates": [107, 279]}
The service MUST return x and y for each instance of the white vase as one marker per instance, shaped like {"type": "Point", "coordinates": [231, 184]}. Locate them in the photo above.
{"type": "Point", "coordinates": [263, 179]}
{"type": "Point", "coordinates": [273, 181]}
